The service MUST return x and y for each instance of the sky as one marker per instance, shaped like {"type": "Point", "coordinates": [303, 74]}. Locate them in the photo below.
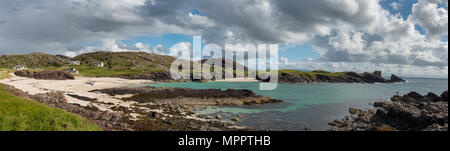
{"type": "Point", "coordinates": [403, 37]}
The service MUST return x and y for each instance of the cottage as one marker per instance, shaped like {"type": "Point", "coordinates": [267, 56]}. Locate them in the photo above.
{"type": "Point", "coordinates": [99, 64]}
{"type": "Point", "coordinates": [20, 67]}
{"type": "Point", "coordinates": [75, 63]}
{"type": "Point", "coordinates": [72, 70]}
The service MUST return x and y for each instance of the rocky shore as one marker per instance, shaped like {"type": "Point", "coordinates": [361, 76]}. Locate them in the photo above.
{"type": "Point", "coordinates": [327, 77]}
{"type": "Point", "coordinates": [45, 75]}
{"type": "Point", "coordinates": [411, 112]}
{"type": "Point", "coordinates": [113, 106]}
{"type": "Point", "coordinates": [193, 97]}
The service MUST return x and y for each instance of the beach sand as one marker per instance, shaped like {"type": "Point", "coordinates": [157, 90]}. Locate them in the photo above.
{"type": "Point", "coordinates": [80, 86]}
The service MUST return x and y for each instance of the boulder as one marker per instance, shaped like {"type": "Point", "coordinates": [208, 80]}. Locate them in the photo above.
{"type": "Point", "coordinates": [46, 75]}
{"type": "Point", "coordinates": [378, 73]}
{"type": "Point", "coordinates": [394, 78]}
{"type": "Point", "coordinates": [433, 97]}
{"type": "Point", "coordinates": [354, 110]}
{"type": "Point", "coordinates": [444, 96]}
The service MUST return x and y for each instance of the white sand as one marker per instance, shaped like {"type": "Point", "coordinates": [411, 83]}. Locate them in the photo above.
{"type": "Point", "coordinates": [80, 86]}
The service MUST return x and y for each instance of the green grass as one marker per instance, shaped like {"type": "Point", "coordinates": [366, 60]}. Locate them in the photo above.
{"type": "Point", "coordinates": [20, 114]}
{"type": "Point", "coordinates": [4, 74]}
{"type": "Point", "coordinates": [90, 71]}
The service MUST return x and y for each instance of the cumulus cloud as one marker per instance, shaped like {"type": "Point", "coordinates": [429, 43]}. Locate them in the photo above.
{"type": "Point", "coordinates": [350, 31]}
{"type": "Point", "coordinates": [116, 45]}
{"type": "Point", "coordinates": [432, 18]}
{"type": "Point", "coordinates": [284, 60]}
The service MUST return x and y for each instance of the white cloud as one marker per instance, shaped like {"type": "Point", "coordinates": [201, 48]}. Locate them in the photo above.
{"type": "Point", "coordinates": [433, 19]}
{"type": "Point", "coordinates": [284, 60]}
{"type": "Point", "coordinates": [354, 31]}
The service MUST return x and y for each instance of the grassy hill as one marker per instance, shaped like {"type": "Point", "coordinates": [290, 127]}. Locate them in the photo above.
{"type": "Point", "coordinates": [32, 60]}
{"type": "Point", "coordinates": [122, 63]}
{"type": "Point", "coordinates": [20, 114]}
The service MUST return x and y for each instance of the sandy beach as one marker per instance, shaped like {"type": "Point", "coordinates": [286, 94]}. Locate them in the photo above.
{"type": "Point", "coordinates": [80, 86]}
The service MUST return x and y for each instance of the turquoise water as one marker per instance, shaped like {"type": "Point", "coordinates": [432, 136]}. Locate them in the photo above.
{"type": "Point", "coordinates": [309, 105]}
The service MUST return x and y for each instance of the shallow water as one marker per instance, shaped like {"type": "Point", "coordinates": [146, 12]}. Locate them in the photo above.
{"type": "Point", "coordinates": [309, 105]}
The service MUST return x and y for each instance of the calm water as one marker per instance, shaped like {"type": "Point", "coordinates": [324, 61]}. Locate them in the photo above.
{"type": "Point", "coordinates": [309, 105]}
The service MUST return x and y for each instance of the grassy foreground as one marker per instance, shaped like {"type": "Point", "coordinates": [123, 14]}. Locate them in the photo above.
{"type": "Point", "coordinates": [20, 114]}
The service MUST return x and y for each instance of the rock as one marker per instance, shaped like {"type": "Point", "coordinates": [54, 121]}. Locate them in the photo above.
{"type": "Point", "coordinates": [46, 75]}
{"type": "Point", "coordinates": [433, 97]}
{"type": "Point", "coordinates": [414, 97]}
{"type": "Point", "coordinates": [396, 98]}
{"type": "Point", "coordinates": [394, 78]}
{"type": "Point", "coordinates": [444, 96]}
{"type": "Point", "coordinates": [385, 128]}
{"type": "Point", "coordinates": [412, 112]}
{"type": "Point", "coordinates": [218, 116]}
{"type": "Point", "coordinates": [155, 115]}
{"type": "Point", "coordinates": [381, 104]}
{"type": "Point", "coordinates": [378, 73]}
{"type": "Point", "coordinates": [372, 78]}
{"type": "Point", "coordinates": [354, 111]}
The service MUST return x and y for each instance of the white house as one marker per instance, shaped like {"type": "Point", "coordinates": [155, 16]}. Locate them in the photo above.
{"type": "Point", "coordinates": [20, 67]}
{"type": "Point", "coordinates": [99, 64]}
{"type": "Point", "coordinates": [72, 70]}
{"type": "Point", "coordinates": [75, 63]}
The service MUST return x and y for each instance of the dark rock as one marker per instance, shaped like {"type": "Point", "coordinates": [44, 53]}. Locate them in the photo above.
{"type": "Point", "coordinates": [412, 112]}
{"type": "Point", "coordinates": [372, 78]}
{"type": "Point", "coordinates": [394, 78]}
{"type": "Point", "coordinates": [354, 110]}
{"type": "Point", "coordinates": [45, 75]}
{"type": "Point", "coordinates": [433, 97]}
{"type": "Point", "coordinates": [444, 96]}
{"type": "Point", "coordinates": [378, 73]}
{"type": "Point", "coordinates": [381, 104]}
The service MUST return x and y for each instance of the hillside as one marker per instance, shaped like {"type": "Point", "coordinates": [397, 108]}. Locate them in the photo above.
{"type": "Point", "coordinates": [142, 65]}
{"type": "Point", "coordinates": [32, 60]}
{"type": "Point", "coordinates": [123, 64]}
{"type": "Point", "coordinates": [319, 76]}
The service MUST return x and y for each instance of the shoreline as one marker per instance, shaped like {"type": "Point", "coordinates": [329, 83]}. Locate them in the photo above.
{"type": "Point", "coordinates": [151, 115]}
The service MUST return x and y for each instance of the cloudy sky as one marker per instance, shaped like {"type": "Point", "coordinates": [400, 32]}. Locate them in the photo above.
{"type": "Point", "coordinates": [405, 37]}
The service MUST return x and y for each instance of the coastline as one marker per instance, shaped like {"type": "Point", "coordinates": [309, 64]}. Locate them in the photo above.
{"type": "Point", "coordinates": [83, 94]}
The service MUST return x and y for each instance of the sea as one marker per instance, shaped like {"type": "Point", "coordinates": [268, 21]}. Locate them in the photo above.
{"type": "Point", "coordinates": [308, 106]}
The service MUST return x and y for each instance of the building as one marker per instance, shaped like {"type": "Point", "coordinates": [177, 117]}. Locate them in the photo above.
{"type": "Point", "coordinates": [75, 63]}
{"type": "Point", "coordinates": [20, 67]}
{"type": "Point", "coordinates": [99, 64]}
{"type": "Point", "coordinates": [72, 70]}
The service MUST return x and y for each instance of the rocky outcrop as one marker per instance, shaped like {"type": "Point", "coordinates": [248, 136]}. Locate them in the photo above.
{"type": "Point", "coordinates": [394, 78]}
{"type": "Point", "coordinates": [185, 96]}
{"type": "Point", "coordinates": [326, 77]}
{"type": "Point", "coordinates": [45, 75]}
{"type": "Point", "coordinates": [411, 112]}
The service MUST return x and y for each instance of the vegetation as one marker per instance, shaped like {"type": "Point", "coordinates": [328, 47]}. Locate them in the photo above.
{"type": "Point", "coordinates": [117, 64]}
{"type": "Point", "coordinates": [4, 74]}
{"type": "Point", "coordinates": [21, 114]}
{"type": "Point", "coordinates": [33, 60]}
{"type": "Point", "coordinates": [312, 74]}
